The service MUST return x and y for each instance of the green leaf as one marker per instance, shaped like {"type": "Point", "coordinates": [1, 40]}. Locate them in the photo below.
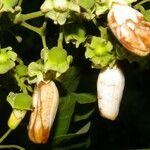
{"type": "Point", "coordinates": [62, 139]}
{"type": "Point", "coordinates": [84, 129]}
{"type": "Point", "coordinates": [66, 110]}
{"type": "Point", "coordinates": [84, 98]}
{"type": "Point", "coordinates": [86, 115]}
{"type": "Point", "coordinates": [86, 106]}
{"type": "Point", "coordinates": [64, 115]}
{"type": "Point", "coordinates": [19, 101]}
{"type": "Point", "coordinates": [70, 79]}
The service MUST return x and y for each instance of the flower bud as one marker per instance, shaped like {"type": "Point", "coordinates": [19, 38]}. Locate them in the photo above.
{"type": "Point", "coordinates": [15, 118]}
{"type": "Point", "coordinates": [130, 28]}
{"type": "Point", "coordinates": [60, 5]}
{"type": "Point", "coordinates": [110, 86]}
{"type": "Point", "coordinates": [45, 104]}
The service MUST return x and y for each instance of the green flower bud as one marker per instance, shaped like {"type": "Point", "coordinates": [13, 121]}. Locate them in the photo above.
{"type": "Point", "coordinates": [15, 118]}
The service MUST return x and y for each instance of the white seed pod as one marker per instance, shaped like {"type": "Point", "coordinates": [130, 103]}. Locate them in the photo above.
{"type": "Point", "coordinates": [45, 104]}
{"type": "Point", "coordinates": [110, 86]}
{"type": "Point", "coordinates": [130, 28]}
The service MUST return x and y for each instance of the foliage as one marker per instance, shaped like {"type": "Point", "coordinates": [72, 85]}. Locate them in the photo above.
{"type": "Point", "coordinates": [67, 41]}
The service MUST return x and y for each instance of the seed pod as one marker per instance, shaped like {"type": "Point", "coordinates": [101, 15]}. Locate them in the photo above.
{"type": "Point", "coordinates": [45, 104]}
{"type": "Point", "coordinates": [110, 86]}
{"type": "Point", "coordinates": [130, 28]}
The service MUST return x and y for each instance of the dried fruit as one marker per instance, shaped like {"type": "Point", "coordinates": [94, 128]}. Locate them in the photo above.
{"type": "Point", "coordinates": [130, 28]}
{"type": "Point", "coordinates": [45, 104]}
{"type": "Point", "coordinates": [110, 86]}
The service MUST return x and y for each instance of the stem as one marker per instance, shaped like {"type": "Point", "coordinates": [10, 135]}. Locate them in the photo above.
{"type": "Point", "coordinates": [103, 31]}
{"type": "Point", "coordinates": [40, 31]}
{"type": "Point", "coordinates": [21, 84]}
{"type": "Point", "coordinates": [19, 61]}
{"type": "Point", "coordinates": [43, 34]}
{"type": "Point", "coordinates": [95, 22]}
{"type": "Point", "coordinates": [32, 15]}
{"type": "Point", "coordinates": [44, 41]}
{"type": "Point", "coordinates": [20, 2]}
{"type": "Point", "coordinates": [60, 39]}
{"type": "Point", "coordinates": [5, 135]}
{"type": "Point", "coordinates": [11, 146]}
{"type": "Point", "coordinates": [23, 17]}
{"type": "Point", "coordinates": [30, 27]}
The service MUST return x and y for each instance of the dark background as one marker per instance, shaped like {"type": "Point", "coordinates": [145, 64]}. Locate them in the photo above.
{"type": "Point", "coordinates": [131, 129]}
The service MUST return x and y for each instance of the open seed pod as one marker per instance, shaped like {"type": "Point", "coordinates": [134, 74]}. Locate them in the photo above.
{"type": "Point", "coordinates": [45, 104]}
{"type": "Point", "coordinates": [110, 86]}
{"type": "Point", "coordinates": [130, 28]}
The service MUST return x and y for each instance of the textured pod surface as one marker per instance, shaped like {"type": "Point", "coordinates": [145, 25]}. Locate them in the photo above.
{"type": "Point", "coordinates": [45, 104]}
{"type": "Point", "coordinates": [130, 28]}
{"type": "Point", "coordinates": [110, 86]}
